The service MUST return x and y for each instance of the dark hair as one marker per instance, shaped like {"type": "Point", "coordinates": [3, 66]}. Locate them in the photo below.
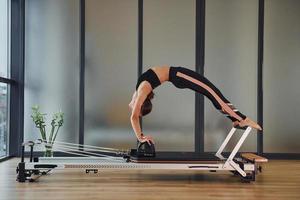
{"type": "Point", "coordinates": [147, 105]}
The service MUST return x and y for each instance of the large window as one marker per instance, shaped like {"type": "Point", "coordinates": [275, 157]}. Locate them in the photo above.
{"type": "Point", "coordinates": [4, 75]}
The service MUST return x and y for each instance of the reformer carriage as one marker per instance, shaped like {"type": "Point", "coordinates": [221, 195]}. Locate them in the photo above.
{"type": "Point", "coordinates": [93, 159]}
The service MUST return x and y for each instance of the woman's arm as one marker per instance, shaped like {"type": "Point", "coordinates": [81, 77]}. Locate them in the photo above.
{"type": "Point", "coordinates": [135, 115]}
{"type": "Point", "coordinates": [135, 118]}
{"type": "Point", "coordinates": [133, 99]}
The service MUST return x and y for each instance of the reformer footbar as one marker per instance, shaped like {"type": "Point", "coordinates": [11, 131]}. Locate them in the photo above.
{"type": "Point", "coordinates": [92, 158]}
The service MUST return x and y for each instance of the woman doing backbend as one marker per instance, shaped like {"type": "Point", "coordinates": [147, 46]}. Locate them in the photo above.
{"type": "Point", "coordinates": [181, 78]}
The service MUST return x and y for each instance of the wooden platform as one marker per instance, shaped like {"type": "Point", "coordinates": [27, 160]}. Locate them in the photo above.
{"type": "Point", "coordinates": [279, 180]}
{"type": "Point", "coordinates": [254, 158]}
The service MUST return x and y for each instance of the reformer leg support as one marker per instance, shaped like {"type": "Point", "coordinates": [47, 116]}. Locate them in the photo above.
{"type": "Point", "coordinates": [229, 160]}
{"type": "Point", "coordinates": [21, 171]}
{"type": "Point", "coordinates": [21, 177]}
{"type": "Point", "coordinates": [225, 142]}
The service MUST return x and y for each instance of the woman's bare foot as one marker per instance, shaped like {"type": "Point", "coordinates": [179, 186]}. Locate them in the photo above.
{"type": "Point", "coordinates": [235, 123]}
{"type": "Point", "coordinates": [248, 122]}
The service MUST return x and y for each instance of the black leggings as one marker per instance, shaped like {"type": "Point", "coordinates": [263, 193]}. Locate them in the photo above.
{"type": "Point", "coordinates": [184, 78]}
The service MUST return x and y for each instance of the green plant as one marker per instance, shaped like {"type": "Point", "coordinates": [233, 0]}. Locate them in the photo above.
{"type": "Point", "coordinates": [39, 121]}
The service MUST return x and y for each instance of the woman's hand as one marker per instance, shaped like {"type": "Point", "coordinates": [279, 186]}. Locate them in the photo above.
{"type": "Point", "coordinates": [147, 138]}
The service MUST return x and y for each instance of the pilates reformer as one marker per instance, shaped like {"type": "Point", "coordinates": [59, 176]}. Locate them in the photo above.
{"type": "Point", "coordinates": [93, 158]}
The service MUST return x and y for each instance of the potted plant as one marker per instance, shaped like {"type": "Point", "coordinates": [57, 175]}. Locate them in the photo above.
{"type": "Point", "coordinates": [56, 122]}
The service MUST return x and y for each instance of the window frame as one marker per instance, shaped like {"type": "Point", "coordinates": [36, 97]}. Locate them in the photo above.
{"type": "Point", "coordinates": [16, 80]}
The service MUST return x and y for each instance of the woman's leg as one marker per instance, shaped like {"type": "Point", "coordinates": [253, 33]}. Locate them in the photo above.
{"type": "Point", "coordinates": [190, 79]}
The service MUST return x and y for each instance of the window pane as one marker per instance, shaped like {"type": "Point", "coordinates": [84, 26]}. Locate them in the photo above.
{"type": "Point", "coordinates": [52, 64]}
{"type": "Point", "coordinates": [281, 76]}
{"type": "Point", "coordinates": [231, 64]}
{"type": "Point", "coordinates": [111, 71]}
{"type": "Point", "coordinates": [169, 38]}
{"type": "Point", "coordinates": [4, 94]}
{"type": "Point", "coordinates": [4, 37]}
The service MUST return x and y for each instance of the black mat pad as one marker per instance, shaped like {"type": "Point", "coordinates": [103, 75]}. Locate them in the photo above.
{"type": "Point", "coordinates": [165, 158]}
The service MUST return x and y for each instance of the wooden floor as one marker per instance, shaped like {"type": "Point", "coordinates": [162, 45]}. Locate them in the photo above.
{"type": "Point", "coordinates": [279, 180]}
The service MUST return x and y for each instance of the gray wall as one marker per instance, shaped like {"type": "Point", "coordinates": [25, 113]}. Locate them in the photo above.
{"type": "Point", "coordinates": [52, 64]}
{"type": "Point", "coordinates": [231, 64]}
{"type": "Point", "coordinates": [169, 38]}
{"type": "Point", "coordinates": [281, 76]}
{"type": "Point", "coordinates": [111, 71]}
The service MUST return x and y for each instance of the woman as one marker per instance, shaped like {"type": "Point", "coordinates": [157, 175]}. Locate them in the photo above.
{"type": "Point", "coordinates": [181, 78]}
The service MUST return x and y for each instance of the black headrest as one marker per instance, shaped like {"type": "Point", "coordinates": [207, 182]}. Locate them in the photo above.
{"type": "Point", "coordinates": [146, 150]}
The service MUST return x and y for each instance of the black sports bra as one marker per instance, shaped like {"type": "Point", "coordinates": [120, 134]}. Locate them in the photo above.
{"type": "Point", "coordinates": [149, 76]}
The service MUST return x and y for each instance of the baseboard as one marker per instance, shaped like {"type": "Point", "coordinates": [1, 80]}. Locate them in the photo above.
{"type": "Point", "coordinates": [282, 156]}
{"type": "Point", "coordinates": [5, 158]}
